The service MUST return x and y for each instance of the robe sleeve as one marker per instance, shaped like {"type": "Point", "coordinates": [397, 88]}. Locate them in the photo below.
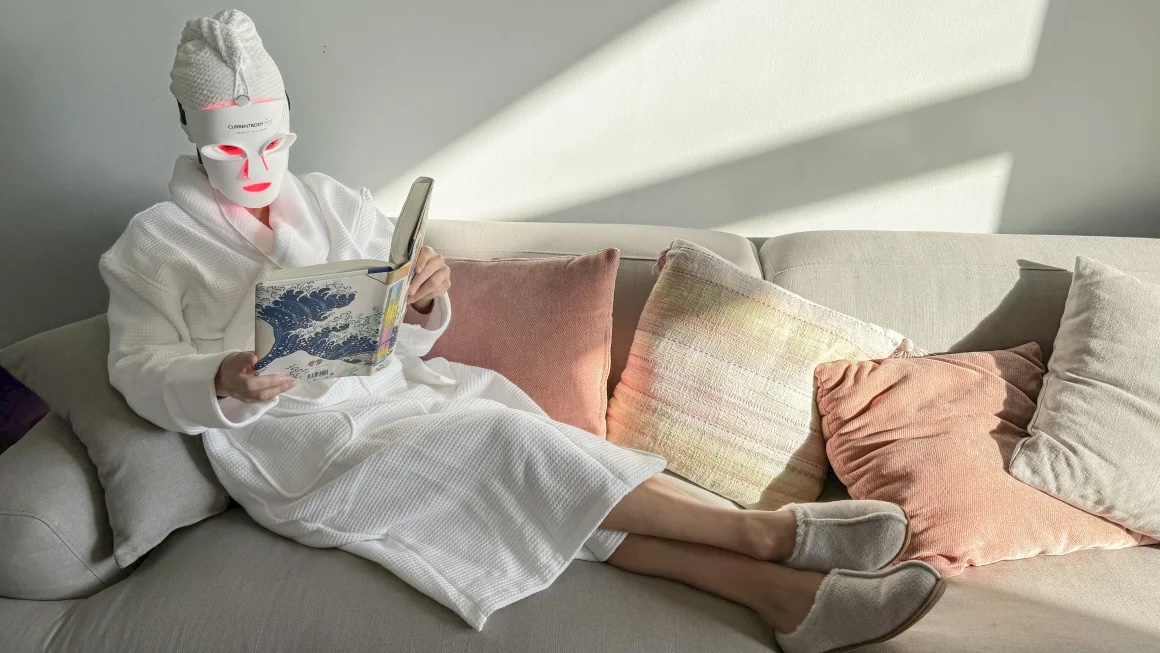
{"type": "Point", "coordinates": [154, 364]}
{"type": "Point", "coordinates": [418, 333]}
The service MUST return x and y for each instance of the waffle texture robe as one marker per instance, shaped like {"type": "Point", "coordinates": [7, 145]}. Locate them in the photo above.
{"type": "Point", "coordinates": [447, 475]}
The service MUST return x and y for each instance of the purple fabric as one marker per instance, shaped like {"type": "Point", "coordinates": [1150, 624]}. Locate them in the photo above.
{"type": "Point", "coordinates": [20, 410]}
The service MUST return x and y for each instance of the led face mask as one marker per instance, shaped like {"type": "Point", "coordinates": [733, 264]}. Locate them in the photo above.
{"type": "Point", "coordinates": [245, 149]}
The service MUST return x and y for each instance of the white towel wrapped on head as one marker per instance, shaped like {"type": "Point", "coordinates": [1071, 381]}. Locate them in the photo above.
{"type": "Point", "coordinates": [220, 59]}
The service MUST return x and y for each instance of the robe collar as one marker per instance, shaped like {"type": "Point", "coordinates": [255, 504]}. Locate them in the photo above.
{"type": "Point", "coordinates": [297, 235]}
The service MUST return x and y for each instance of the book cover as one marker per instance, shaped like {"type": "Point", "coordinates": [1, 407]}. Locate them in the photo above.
{"type": "Point", "coordinates": [339, 319]}
{"type": "Point", "coordinates": [343, 325]}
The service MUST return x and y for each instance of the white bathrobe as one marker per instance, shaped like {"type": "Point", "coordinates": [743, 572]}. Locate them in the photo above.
{"type": "Point", "coordinates": [447, 475]}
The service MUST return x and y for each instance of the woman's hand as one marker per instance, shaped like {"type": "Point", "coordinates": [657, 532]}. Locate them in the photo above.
{"type": "Point", "coordinates": [236, 378]}
{"type": "Point", "coordinates": [432, 280]}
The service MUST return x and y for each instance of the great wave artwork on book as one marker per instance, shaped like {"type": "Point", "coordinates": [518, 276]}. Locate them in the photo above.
{"type": "Point", "coordinates": [340, 319]}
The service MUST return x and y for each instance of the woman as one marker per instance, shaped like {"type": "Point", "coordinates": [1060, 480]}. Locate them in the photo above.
{"type": "Point", "coordinates": [447, 475]}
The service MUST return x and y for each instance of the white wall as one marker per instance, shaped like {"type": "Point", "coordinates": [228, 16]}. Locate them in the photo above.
{"type": "Point", "coordinates": [756, 117]}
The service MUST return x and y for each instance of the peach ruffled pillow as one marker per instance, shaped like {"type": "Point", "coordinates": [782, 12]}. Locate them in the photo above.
{"type": "Point", "coordinates": [935, 435]}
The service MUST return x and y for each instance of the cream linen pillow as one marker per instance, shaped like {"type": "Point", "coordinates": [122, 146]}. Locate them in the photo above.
{"type": "Point", "coordinates": [720, 379]}
{"type": "Point", "coordinates": [1095, 437]}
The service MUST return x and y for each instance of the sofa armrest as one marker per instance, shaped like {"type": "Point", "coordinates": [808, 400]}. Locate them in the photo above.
{"type": "Point", "coordinates": [55, 539]}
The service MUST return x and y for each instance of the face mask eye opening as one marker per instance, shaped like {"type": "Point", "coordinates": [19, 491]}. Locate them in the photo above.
{"type": "Point", "coordinates": [279, 143]}
{"type": "Point", "coordinates": [222, 152]}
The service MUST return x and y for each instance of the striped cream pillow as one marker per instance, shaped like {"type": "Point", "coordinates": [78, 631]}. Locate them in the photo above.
{"type": "Point", "coordinates": [720, 379]}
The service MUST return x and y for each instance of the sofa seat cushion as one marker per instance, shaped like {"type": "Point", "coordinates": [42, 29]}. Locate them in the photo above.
{"type": "Point", "coordinates": [1084, 601]}
{"type": "Point", "coordinates": [30, 625]}
{"type": "Point", "coordinates": [227, 584]}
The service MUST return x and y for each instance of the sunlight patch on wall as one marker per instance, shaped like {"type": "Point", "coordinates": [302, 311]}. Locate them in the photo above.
{"type": "Point", "coordinates": [967, 198]}
{"type": "Point", "coordinates": [710, 81]}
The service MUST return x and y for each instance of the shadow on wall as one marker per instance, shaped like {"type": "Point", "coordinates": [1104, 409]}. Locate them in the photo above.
{"type": "Point", "coordinates": [1075, 136]}
{"type": "Point", "coordinates": [1085, 152]}
{"type": "Point", "coordinates": [386, 85]}
{"type": "Point", "coordinates": [703, 90]}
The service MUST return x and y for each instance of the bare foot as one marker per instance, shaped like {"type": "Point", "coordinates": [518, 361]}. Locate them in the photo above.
{"type": "Point", "coordinates": [772, 534]}
{"type": "Point", "coordinates": [785, 604]}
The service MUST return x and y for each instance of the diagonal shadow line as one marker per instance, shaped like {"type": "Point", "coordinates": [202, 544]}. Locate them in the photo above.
{"type": "Point", "coordinates": [584, 39]}
{"type": "Point", "coordinates": [902, 145]}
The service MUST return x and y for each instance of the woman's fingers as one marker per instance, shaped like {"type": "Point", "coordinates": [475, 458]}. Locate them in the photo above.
{"type": "Point", "coordinates": [270, 393]}
{"type": "Point", "coordinates": [239, 380]}
{"type": "Point", "coordinates": [263, 388]}
{"type": "Point", "coordinates": [240, 363]}
{"type": "Point", "coordinates": [418, 281]}
{"type": "Point", "coordinates": [425, 255]}
{"type": "Point", "coordinates": [423, 260]}
{"type": "Point", "coordinates": [437, 285]}
{"type": "Point", "coordinates": [255, 384]}
{"type": "Point", "coordinates": [434, 265]}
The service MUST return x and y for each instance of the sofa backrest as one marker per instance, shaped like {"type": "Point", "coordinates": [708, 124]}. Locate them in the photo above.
{"type": "Point", "coordinates": [949, 292]}
{"type": "Point", "coordinates": [639, 246]}
{"type": "Point", "coordinates": [946, 291]}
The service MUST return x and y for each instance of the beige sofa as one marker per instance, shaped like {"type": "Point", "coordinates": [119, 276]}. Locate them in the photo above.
{"type": "Point", "coordinates": [225, 584]}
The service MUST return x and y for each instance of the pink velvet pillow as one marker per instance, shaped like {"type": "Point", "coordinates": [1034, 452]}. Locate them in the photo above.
{"type": "Point", "coordinates": [935, 435]}
{"type": "Point", "coordinates": [545, 324]}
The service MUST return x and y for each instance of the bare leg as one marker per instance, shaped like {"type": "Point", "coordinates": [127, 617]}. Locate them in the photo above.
{"type": "Point", "coordinates": [780, 595]}
{"type": "Point", "coordinates": [658, 509]}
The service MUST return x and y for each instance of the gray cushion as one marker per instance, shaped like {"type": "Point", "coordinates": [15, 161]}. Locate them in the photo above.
{"type": "Point", "coordinates": [639, 247]}
{"type": "Point", "coordinates": [229, 585]}
{"type": "Point", "coordinates": [1095, 437]}
{"type": "Point", "coordinates": [55, 541]}
{"type": "Point", "coordinates": [949, 292]}
{"type": "Point", "coordinates": [155, 481]}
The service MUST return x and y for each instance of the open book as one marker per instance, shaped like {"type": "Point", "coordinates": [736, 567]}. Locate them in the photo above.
{"type": "Point", "coordinates": [340, 319]}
